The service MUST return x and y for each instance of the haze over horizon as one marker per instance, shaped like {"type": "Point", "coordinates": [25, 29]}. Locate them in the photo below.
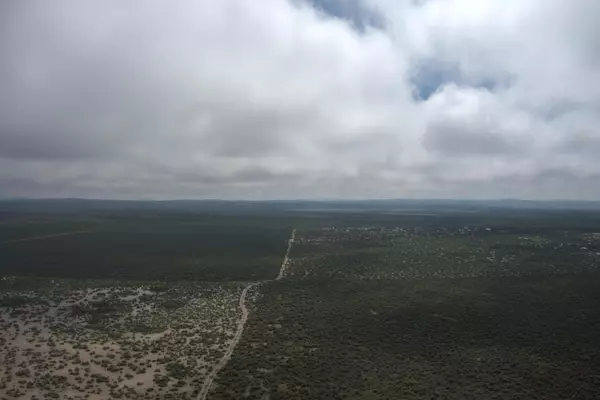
{"type": "Point", "coordinates": [300, 99]}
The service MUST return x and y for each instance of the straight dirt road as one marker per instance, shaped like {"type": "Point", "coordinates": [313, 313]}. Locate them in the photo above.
{"type": "Point", "coordinates": [286, 259]}
{"type": "Point", "coordinates": [242, 323]}
{"type": "Point", "coordinates": [45, 237]}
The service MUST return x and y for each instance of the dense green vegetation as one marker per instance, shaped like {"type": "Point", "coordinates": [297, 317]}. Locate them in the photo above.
{"type": "Point", "coordinates": [400, 253]}
{"type": "Point", "coordinates": [163, 247]}
{"type": "Point", "coordinates": [468, 338]}
{"type": "Point", "coordinates": [444, 306]}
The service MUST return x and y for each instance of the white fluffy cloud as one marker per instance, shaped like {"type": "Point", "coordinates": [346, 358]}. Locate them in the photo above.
{"type": "Point", "coordinates": [283, 99]}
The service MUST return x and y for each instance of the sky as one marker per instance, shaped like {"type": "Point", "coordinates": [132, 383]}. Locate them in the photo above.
{"type": "Point", "coordinates": [300, 99]}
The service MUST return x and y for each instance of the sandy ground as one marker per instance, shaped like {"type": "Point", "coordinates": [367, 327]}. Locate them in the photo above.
{"type": "Point", "coordinates": [49, 347]}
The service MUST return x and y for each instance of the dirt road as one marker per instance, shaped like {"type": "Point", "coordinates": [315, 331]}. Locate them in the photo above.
{"type": "Point", "coordinates": [242, 323]}
{"type": "Point", "coordinates": [238, 335]}
{"type": "Point", "coordinates": [286, 259]}
{"type": "Point", "coordinates": [45, 237]}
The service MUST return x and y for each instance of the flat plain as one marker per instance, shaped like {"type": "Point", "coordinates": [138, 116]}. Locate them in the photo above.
{"type": "Point", "coordinates": [379, 300]}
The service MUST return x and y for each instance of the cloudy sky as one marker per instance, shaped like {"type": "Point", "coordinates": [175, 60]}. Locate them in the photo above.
{"type": "Point", "coordinates": [276, 99]}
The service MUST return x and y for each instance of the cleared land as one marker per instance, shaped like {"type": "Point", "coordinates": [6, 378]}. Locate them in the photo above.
{"type": "Point", "coordinates": [112, 341]}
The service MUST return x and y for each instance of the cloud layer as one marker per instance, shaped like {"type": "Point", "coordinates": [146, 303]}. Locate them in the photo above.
{"type": "Point", "coordinates": [300, 99]}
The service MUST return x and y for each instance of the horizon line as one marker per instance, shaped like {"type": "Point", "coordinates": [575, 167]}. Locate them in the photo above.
{"type": "Point", "coordinates": [325, 199]}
